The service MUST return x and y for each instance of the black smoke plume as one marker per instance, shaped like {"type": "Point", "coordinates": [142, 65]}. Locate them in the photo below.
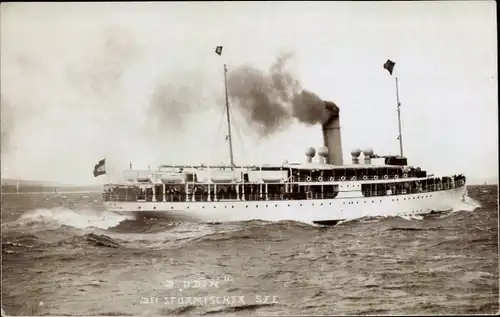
{"type": "Point", "coordinates": [271, 100]}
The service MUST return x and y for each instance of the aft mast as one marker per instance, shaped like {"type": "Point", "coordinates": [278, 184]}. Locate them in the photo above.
{"type": "Point", "coordinates": [400, 136]}
{"type": "Point", "coordinates": [389, 66]}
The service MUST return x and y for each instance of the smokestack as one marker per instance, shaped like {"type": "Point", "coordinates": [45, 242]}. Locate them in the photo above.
{"type": "Point", "coordinates": [331, 135]}
{"type": "Point", "coordinates": [310, 152]}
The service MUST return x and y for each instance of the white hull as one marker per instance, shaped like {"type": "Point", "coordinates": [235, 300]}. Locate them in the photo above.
{"type": "Point", "coordinates": [309, 211]}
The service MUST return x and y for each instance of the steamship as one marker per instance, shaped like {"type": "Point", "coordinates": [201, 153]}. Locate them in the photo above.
{"type": "Point", "coordinates": [321, 191]}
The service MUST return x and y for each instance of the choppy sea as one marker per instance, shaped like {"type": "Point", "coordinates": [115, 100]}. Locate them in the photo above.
{"type": "Point", "coordinates": [63, 254]}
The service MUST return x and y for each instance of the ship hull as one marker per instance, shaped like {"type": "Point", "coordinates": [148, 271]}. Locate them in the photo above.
{"type": "Point", "coordinates": [319, 211]}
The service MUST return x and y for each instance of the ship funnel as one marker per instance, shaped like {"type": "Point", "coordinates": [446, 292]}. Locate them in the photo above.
{"type": "Point", "coordinates": [368, 153]}
{"type": "Point", "coordinates": [355, 156]}
{"type": "Point", "coordinates": [323, 154]}
{"type": "Point", "coordinates": [331, 135]}
{"type": "Point", "coordinates": [310, 152]}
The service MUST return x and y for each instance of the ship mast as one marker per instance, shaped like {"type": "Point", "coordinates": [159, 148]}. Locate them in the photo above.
{"type": "Point", "coordinates": [400, 136]}
{"type": "Point", "coordinates": [389, 66]}
{"type": "Point", "coordinates": [229, 137]}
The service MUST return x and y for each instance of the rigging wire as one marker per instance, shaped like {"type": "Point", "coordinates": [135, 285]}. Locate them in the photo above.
{"type": "Point", "coordinates": [238, 130]}
{"type": "Point", "coordinates": [213, 147]}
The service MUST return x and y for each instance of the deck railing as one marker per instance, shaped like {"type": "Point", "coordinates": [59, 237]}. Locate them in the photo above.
{"type": "Point", "coordinates": [368, 190]}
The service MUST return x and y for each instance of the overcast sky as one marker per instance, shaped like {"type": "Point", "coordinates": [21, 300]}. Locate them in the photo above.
{"type": "Point", "coordinates": [141, 82]}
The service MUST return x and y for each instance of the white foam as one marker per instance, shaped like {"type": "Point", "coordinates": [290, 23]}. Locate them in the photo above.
{"type": "Point", "coordinates": [74, 218]}
{"type": "Point", "coordinates": [468, 204]}
{"type": "Point", "coordinates": [405, 217]}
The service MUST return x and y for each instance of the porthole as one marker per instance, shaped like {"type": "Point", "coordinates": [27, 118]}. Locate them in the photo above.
{"type": "Point", "coordinates": [300, 205]}
{"type": "Point", "coordinates": [256, 206]}
{"type": "Point", "coordinates": [275, 205]}
{"type": "Point", "coordinates": [232, 206]}
{"type": "Point", "coordinates": [288, 205]}
{"type": "Point", "coordinates": [139, 207]}
{"type": "Point", "coordinates": [172, 207]}
{"type": "Point", "coordinates": [313, 204]}
{"type": "Point", "coordinates": [215, 207]}
{"type": "Point", "coordinates": [202, 207]}
{"type": "Point", "coordinates": [321, 204]}
{"type": "Point", "coordinates": [266, 206]}
{"type": "Point", "coordinates": [246, 206]}
{"type": "Point", "coordinates": [154, 207]}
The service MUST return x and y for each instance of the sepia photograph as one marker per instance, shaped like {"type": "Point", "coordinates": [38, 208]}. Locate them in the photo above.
{"type": "Point", "coordinates": [233, 158]}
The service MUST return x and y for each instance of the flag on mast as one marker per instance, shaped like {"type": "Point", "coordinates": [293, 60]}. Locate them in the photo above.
{"type": "Point", "coordinates": [218, 50]}
{"type": "Point", "coordinates": [389, 65]}
{"type": "Point", "coordinates": [100, 168]}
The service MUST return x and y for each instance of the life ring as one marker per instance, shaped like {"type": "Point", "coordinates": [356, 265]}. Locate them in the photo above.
{"type": "Point", "coordinates": [386, 177]}
{"type": "Point", "coordinates": [320, 179]}
{"type": "Point", "coordinates": [365, 177]}
{"type": "Point", "coordinates": [342, 178]}
{"type": "Point", "coordinates": [396, 176]}
{"type": "Point", "coordinates": [308, 178]}
{"type": "Point", "coordinates": [405, 175]}
{"type": "Point", "coordinates": [332, 179]}
{"type": "Point", "coordinates": [353, 178]}
{"type": "Point", "coordinates": [375, 177]}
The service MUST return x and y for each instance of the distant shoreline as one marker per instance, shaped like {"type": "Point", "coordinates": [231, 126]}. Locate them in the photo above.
{"type": "Point", "coordinates": [54, 193]}
{"type": "Point", "coordinates": [25, 189]}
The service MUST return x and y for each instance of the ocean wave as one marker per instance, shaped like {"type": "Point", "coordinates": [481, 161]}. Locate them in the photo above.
{"type": "Point", "coordinates": [61, 216]}
{"type": "Point", "coordinates": [91, 239]}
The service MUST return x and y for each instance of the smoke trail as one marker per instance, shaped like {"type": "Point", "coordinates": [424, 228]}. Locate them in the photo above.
{"type": "Point", "coordinates": [270, 101]}
{"type": "Point", "coordinates": [171, 101]}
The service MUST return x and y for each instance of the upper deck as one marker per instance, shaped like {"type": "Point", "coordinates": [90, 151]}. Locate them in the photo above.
{"type": "Point", "coordinates": [285, 173]}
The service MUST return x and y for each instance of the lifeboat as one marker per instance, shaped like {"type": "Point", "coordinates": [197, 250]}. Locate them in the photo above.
{"type": "Point", "coordinates": [130, 176]}
{"type": "Point", "coordinates": [173, 178]}
{"type": "Point", "coordinates": [222, 178]}
{"type": "Point", "coordinates": [273, 176]}
{"type": "Point", "coordinates": [225, 177]}
{"type": "Point", "coordinates": [143, 177]}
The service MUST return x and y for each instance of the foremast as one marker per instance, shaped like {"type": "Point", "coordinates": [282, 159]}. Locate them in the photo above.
{"type": "Point", "coordinates": [229, 136]}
